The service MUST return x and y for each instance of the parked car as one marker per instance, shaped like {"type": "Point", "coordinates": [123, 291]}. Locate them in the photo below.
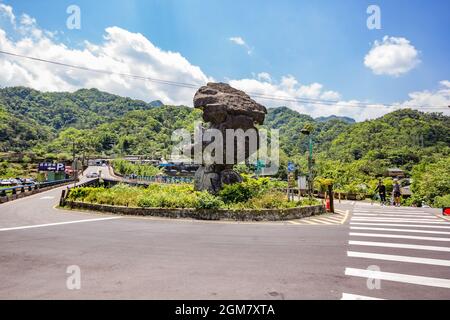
{"type": "Point", "coordinates": [29, 181]}
{"type": "Point", "coordinates": [92, 175]}
{"type": "Point", "coordinates": [15, 182]}
{"type": "Point", "coordinates": [5, 182]}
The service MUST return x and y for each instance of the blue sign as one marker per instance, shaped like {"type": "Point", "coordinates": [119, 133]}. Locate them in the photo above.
{"type": "Point", "coordinates": [57, 167]}
{"type": "Point", "coordinates": [291, 167]}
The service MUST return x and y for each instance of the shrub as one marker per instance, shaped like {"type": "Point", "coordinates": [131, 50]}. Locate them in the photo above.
{"type": "Point", "coordinates": [235, 193]}
{"type": "Point", "coordinates": [244, 191]}
{"type": "Point", "coordinates": [442, 202]}
{"type": "Point", "coordinates": [271, 200]}
{"type": "Point", "coordinates": [206, 200]}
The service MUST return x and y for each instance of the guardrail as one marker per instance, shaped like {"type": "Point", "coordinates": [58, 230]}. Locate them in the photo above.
{"type": "Point", "coordinates": [17, 192]}
{"type": "Point", "coordinates": [30, 187]}
{"type": "Point", "coordinates": [159, 179]}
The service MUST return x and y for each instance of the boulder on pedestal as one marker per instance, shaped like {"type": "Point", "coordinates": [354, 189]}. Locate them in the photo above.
{"type": "Point", "coordinates": [225, 107]}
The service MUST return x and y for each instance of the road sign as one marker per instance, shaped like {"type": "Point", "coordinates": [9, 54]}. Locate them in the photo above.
{"type": "Point", "coordinates": [302, 183]}
{"type": "Point", "coordinates": [291, 167]}
{"type": "Point", "coordinates": [46, 166]}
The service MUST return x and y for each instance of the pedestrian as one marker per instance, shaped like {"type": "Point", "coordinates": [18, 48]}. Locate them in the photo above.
{"type": "Point", "coordinates": [397, 193]}
{"type": "Point", "coordinates": [381, 188]}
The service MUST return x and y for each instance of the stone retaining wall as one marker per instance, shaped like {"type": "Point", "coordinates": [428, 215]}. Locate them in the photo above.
{"type": "Point", "coordinates": [211, 214]}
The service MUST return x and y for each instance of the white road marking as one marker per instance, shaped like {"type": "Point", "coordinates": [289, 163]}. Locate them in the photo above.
{"type": "Point", "coordinates": [57, 224]}
{"type": "Point", "coordinates": [329, 219]}
{"type": "Point", "coordinates": [398, 277]}
{"type": "Point", "coordinates": [46, 198]}
{"type": "Point", "coordinates": [399, 225]}
{"type": "Point", "coordinates": [397, 236]}
{"type": "Point", "coordinates": [398, 220]}
{"type": "Point", "coordinates": [319, 221]}
{"type": "Point", "coordinates": [349, 296]}
{"type": "Point", "coordinates": [308, 222]}
{"type": "Point", "coordinates": [399, 230]}
{"type": "Point", "coordinates": [398, 245]}
{"type": "Point", "coordinates": [386, 211]}
{"type": "Point", "coordinates": [390, 257]}
{"type": "Point", "coordinates": [394, 215]}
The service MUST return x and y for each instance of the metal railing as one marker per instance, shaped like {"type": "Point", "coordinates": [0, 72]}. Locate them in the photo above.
{"type": "Point", "coordinates": [159, 179]}
{"type": "Point", "coordinates": [30, 187]}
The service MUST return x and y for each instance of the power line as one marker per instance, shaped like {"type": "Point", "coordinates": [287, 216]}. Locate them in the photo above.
{"type": "Point", "coordinates": [195, 86]}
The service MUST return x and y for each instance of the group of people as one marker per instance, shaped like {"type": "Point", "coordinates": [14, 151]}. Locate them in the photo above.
{"type": "Point", "coordinates": [396, 194]}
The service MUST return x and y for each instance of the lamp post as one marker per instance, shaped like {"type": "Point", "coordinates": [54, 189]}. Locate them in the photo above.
{"type": "Point", "coordinates": [307, 131]}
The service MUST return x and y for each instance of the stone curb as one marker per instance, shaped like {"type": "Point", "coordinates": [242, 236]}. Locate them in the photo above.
{"type": "Point", "coordinates": [207, 214]}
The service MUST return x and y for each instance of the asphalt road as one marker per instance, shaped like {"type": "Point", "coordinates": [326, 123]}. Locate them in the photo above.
{"type": "Point", "coordinates": [139, 258]}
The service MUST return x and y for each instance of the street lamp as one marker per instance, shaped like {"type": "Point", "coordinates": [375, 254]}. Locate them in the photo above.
{"type": "Point", "coordinates": [307, 132]}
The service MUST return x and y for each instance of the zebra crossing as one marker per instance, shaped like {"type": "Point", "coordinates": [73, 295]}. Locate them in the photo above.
{"type": "Point", "coordinates": [397, 253]}
{"type": "Point", "coordinates": [337, 218]}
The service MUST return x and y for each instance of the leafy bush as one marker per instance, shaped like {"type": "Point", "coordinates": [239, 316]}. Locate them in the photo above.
{"type": "Point", "coordinates": [442, 202]}
{"type": "Point", "coordinates": [126, 168]}
{"type": "Point", "coordinates": [271, 200]}
{"type": "Point", "coordinates": [206, 200]}
{"type": "Point", "coordinates": [250, 194]}
{"type": "Point", "coordinates": [235, 193]}
{"type": "Point", "coordinates": [431, 180]}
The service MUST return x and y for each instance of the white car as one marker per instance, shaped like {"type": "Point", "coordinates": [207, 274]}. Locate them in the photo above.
{"type": "Point", "coordinates": [92, 175]}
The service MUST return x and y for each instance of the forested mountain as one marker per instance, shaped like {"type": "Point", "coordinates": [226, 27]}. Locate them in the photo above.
{"type": "Point", "coordinates": [345, 119]}
{"type": "Point", "coordinates": [50, 125]}
{"type": "Point", "coordinates": [82, 109]}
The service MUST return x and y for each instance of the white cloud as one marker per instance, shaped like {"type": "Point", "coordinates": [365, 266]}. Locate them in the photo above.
{"type": "Point", "coordinates": [241, 42]}
{"type": "Point", "coordinates": [445, 83]}
{"type": "Point", "coordinates": [238, 40]}
{"type": "Point", "coordinates": [264, 76]}
{"type": "Point", "coordinates": [427, 98]}
{"type": "Point", "coordinates": [27, 20]}
{"type": "Point", "coordinates": [121, 51]}
{"type": "Point", "coordinates": [132, 53]}
{"type": "Point", "coordinates": [7, 11]}
{"type": "Point", "coordinates": [392, 56]}
{"type": "Point", "coordinates": [304, 99]}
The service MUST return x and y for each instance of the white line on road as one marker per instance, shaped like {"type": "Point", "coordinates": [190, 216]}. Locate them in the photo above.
{"type": "Point", "coordinates": [399, 225]}
{"type": "Point", "coordinates": [329, 219]}
{"type": "Point", "coordinates": [319, 221]}
{"type": "Point", "coordinates": [398, 245]}
{"type": "Point", "coordinates": [397, 213]}
{"type": "Point", "coordinates": [394, 215]}
{"type": "Point", "coordinates": [398, 277]}
{"type": "Point", "coordinates": [389, 257]}
{"type": "Point", "coordinates": [57, 224]}
{"type": "Point", "coordinates": [399, 230]}
{"type": "Point", "coordinates": [399, 220]}
{"type": "Point", "coordinates": [349, 296]}
{"type": "Point", "coordinates": [393, 211]}
{"type": "Point", "coordinates": [397, 236]}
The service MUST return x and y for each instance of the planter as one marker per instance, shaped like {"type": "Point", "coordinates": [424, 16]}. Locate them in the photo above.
{"type": "Point", "coordinates": [205, 214]}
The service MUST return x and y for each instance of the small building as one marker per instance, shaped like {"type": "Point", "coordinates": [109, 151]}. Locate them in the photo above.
{"type": "Point", "coordinates": [406, 191]}
{"type": "Point", "coordinates": [395, 173]}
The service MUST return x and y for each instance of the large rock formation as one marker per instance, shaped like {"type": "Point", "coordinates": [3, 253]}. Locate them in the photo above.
{"type": "Point", "coordinates": [225, 108]}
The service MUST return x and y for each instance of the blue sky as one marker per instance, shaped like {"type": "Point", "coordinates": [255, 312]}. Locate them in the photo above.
{"type": "Point", "coordinates": [322, 42]}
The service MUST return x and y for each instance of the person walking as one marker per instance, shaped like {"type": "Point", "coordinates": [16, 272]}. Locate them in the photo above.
{"type": "Point", "coordinates": [381, 188]}
{"type": "Point", "coordinates": [397, 193]}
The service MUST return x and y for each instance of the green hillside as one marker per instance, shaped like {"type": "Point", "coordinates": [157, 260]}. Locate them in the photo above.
{"type": "Point", "coordinates": [50, 125]}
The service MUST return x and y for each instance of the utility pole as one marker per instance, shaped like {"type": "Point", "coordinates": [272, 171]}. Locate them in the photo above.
{"type": "Point", "coordinates": [307, 130]}
{"type": "Point", "coordinates": [310, 167]}
{"type": "Point", "coordinates": [74, 165]}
